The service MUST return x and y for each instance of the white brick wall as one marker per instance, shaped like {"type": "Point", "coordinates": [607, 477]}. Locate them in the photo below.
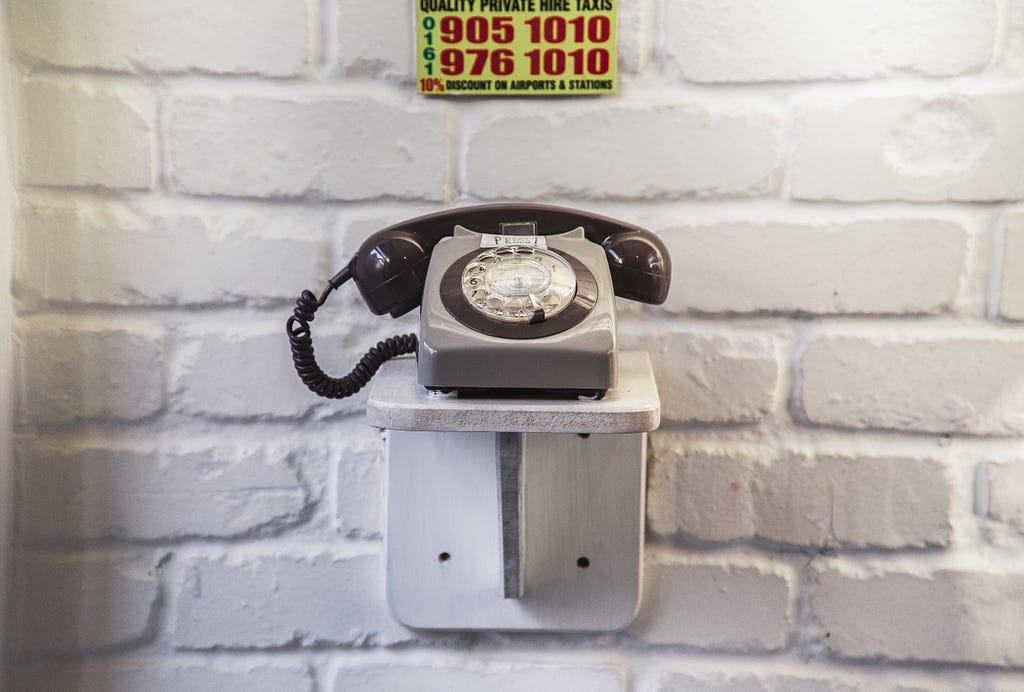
{"type": "Point", "coordinates": [1006, 493]}
{"type": "Point", "coordinates": [74, 605]}
{"type": "Point", "coordinates": [266, 37]}
{"type": "Point", "coordinates": [101, 675]}
{"type": "Point", "coordinates": [104, 255]}
{"type": "Point", "coordinates": [713, 378]}
{"type": "Point", "coordinates": [506, 678]}
{"type": "Point", "coordinates": [822, 502]}
{"type": "Point", "coordinates": [95, 372]}
{"type": "Point", "coordinates": [256, 147]}
{"type": "Point", "coordinates": [823, 269]}
{"type": "Point", "coordinates": [795, 40]}
{"type": "Point", "coordinates": [113, 492]}
{"type": "Point", "coordinates": [7, 196]}
{"type": "Point", "coordinates": [716, 607]}
{"type": "Point", "coordinates": [918, 147]}
{"type": "Point", "coordinates": [834, 498]}
{"type": "Point", "coordinates": [1012, 293]}
{"type": "Point", "coordinates": [739, 151]}
{"type": "Point", "coordinates": [946, 615]}
{"type": "Point", "coordinates": [949, 384]}
{"type": "Point", "coordinates": [279, 601]}
{"type": "Point", "coordinates": [77, 134]}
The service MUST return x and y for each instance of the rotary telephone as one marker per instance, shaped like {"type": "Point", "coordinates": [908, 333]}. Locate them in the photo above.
{"type": "Point", "coordinates": [516, 299]}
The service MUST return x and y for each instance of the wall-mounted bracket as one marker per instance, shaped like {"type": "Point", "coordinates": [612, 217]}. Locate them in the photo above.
{"type": "Point", "coordinates": [510, 453]}
{"type": "Point", "coordinates": [513, 514]}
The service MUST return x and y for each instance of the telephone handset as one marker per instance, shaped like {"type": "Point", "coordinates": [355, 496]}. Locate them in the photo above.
{"type": "Point", "coordinates": [516, 299]}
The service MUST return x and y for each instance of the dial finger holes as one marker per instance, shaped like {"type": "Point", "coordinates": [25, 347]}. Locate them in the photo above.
{"type": "Point", "coordinates": [511, 284]}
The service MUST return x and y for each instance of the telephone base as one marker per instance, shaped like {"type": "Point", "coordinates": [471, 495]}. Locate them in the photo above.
{"type": "Point", "coordinates": [572, 351]}
{"type": "Point", "coordinates": [520, 393]}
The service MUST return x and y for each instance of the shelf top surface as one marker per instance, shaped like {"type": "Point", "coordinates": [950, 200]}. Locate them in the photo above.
{"type": "Point", "coordinates": [397, 402]}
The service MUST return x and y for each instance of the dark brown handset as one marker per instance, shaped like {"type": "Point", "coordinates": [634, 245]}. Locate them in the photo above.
{"type": "Point", "coordinates": [517, 299]}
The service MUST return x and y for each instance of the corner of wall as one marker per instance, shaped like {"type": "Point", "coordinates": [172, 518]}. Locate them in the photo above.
{"type": "Point", "coordinates": [7, 201]}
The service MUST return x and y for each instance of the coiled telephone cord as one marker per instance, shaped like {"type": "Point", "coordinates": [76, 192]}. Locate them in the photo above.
{"type": "Point", "coordinates": [301, 340]}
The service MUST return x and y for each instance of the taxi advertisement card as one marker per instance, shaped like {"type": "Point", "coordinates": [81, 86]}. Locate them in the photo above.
{"type": "Point", "coordinates": [515, 47]}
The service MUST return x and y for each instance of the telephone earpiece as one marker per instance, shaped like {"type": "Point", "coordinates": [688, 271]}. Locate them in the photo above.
{"type": "Point", "coordinates": [639, 265]}
{"type": "Point", "coordinates": [390, 270]}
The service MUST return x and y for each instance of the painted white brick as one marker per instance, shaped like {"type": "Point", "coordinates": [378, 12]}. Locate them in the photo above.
{"type": "Point", "coordinates": [376, 38]}
{"type": "Point", "coordinates": [1006, 493]}
{"type": "Point", "coordinates": [489, 676]}
{"type": "Point", "coordinates": [855, 502]}
{"type": "Point", "coordinates": [714, 378]}
{"type": "Point", "coordinates": [236, 36]}
{"type": "Point", "coordinates": [682, 682]}
{"type": "Point", "coordinates": [948, 385]}
{"type": "Point", "coordinates": [86, 494]}
{"type": "Point", "coordinates": [948, 616]}
{"type": "Point", "coordinates": [338, 149]}
{"type": "Point", "coordinates": [1011, 304]}
{"type": "Point", "coordinates": [714, 607]}
{"type": "Point", "coordinates": [743, 267]}
{"type": "Point", "coordinates": [131, 676]}
{"type": "Point", "coordinates": [635, 32]}
{"type": "Point", "coordinates": [1012, 63]}
{"type": "Point", "coordinates": [72, 604]}
{"type": "Point", "coordinates": [674, 151]}
{"type": "Point", "coordinates": [124, 677]}
{"type": "Point", "coordinates": [278, 601]}
{"type": "Point", "coordinates": [793, 40]}
{"type": "Point", "coordinates": [826, 501]}
{"type": "Point", "coordinates": [768, 682]}
{"type": "Point", "coordinates": [70, 373]}
{"type": "Point", "coordinates": [80, 137]}
{"type": "Point", "coordinates": [216, 374]}
{"type": "Point", "coordinates": [125, 258]}
{"type": "Point", "coordinates": [361, 493]}
{"type": "Point", "coordinates": [218, 377]}
{"type": "Point", "coordinates": [701, 495]}
{"type": "Point", "coordinates": [959, 147]}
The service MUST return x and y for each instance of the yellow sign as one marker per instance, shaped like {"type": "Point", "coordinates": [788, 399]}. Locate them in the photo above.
{"type": "Point", "coordinates": [515, 47]}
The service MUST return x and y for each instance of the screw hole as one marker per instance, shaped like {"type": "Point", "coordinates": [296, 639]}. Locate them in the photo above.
{"type": "Point", "coordinates": [444, 557]}
{"type": "Point", "coordinates": [583, 435]}
{"type": "Point", "coordinates": [583, 562]}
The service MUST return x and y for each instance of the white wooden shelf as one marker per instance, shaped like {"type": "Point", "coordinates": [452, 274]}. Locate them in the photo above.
{"type": "Point", "coordinates": [397, 402]}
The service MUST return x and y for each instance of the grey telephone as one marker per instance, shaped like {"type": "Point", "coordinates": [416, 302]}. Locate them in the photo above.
{"type": "Point", "coordinates": [517, 299]}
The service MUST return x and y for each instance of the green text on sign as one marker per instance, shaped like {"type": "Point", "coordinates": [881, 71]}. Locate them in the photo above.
{"type": "Point", "coordinates": [515, 47]}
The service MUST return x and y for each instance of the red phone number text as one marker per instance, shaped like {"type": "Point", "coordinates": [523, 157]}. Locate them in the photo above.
{"type": "Point", "coordinates": [553, 29]}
